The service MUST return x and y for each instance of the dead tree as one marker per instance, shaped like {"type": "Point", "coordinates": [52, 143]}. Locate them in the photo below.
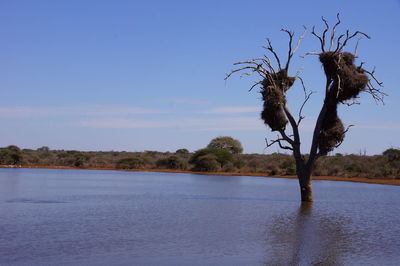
{"type": "Point", "coordinates": [344, 82]}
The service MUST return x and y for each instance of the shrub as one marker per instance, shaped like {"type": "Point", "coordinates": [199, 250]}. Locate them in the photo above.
{"type": "Point", "coordinates": [171, 162]}
{"type": "Point", "coordinates": [10, 155]}
{"type": "Point", "coordinates": [239, 163]}
{"type": "Point", "coordinates": [133, 162]}
{"type": "Point", "coordinates": [221, 156]}
{"type": "Point", "coordinates": [206, 162]}
{"type": "Point", "coordinates": [232, 145]}
{"type": "Point", "coordinates": [353, 168]}
{"type": "Point", "coordinates": [182, 152]}
{"type": "Point", "coordinates": [290, 171]}
{"type": "Point", "coordinates": [392, 154]}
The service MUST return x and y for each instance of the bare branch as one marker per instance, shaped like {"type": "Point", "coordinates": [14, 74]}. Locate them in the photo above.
{"type": "Point", "coordinates": [344, 132]}
{"type": "Point", "coordinates": [320, 39]}
{"type": "Point", "coordinates": [255, 84]}
{"type": "Point", "coordinates": [292, 50]}
{"type": "Point", "coordinates": [355, 49]}
{"type": "Point", "coordinates": [349, 37]}
{"type": "Point", "coordinates": [286, 137]}
{"type": "Point", "coordinates": [325, 31]}
{"type": "Point", "coordinates": [338, 42]}
{"type": "Point", "coordinates": [306, 98]}
{"type": "Point", "coordinates": [353, 102]}
{"type": "Point", "coordinates": [376, 93]}
{"type": "Point", "coordinates": [299, 40]}
{"type": "Point", "coordinates": [269, 48]}
{"type": "Point", "coordinates": [291, 34]}
{"type": "Point", "coordinates": [254, 69]}
{"type": "Point", "coordinates": [372, 74]}
{"type": "Point", "coordinates": [279, 141]}
{"type": "Point", "coordinates": [309, 53]}
{"type": "Point", "coordinates": [251, 65]}
{"type": "Point", "coordinates": [264, 61]}
{"type": "Point", "coordinates": [334, 31]}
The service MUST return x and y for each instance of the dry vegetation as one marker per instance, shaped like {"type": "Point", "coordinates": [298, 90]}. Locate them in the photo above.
{"type": "Point", "coordinates": [385, 166]}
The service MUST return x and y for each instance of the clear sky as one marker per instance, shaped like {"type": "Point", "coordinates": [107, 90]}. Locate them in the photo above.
{"type": "Point", "coordinates": [149, 75]}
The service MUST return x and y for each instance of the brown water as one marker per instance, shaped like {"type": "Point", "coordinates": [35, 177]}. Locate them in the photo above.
{"type": "Point", "coordinates": [82, 217]}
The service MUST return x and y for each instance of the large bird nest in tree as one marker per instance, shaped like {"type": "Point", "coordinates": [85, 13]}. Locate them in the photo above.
{"type": "Point", "coordinates": [345, 81]}
{"type": "Point", "coordinates": [274, 87]}
{"type": "Point", "coordinates": [274, 84]}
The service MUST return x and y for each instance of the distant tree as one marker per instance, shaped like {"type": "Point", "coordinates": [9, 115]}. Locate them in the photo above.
{"type": "Point", "coordinates": [13, 148]}
{"type": "Point", "coordinates": [11, 155]}
{"type": "Point", "coordinates": [171, 162]}
{"type": "Point", "coordinates": [79, 159]}
{"type": "Point", "coordinates": [226, 142]}
{"type": "Point", "coordinates": [206, 162]}
{"type": "Point", "coordinates": [392, 154]}
{"type": "Point", "coordinates": [344, 82]}
{"type": "Point", "coordinates": [134, 162]}
{"type": "Point", "coordinates": [210, 159]}
{"type": "Point", "coordinates": [182, 152]}
{"type": "Point", "coordinates": [43, 149]}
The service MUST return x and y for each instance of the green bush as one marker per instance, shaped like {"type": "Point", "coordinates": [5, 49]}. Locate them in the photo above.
{"type": "Point", "coordinates": [171, 162]}
{"type": "Point", "coordinates": [353, 168]}
{"type": "Point", "coordinates": [392, 154]}
{"type": "Point", "coordinates": [206, 162]}
{"type": "Point", "coordinates": [228, 143]}
{"type": "Point", "coordinates": [239, 163]}
{"type": "Point", "coordinates": [183, 152]}
{"type": "Point", "coordinates": [290, 171]}
{"type": "Point", "coordinates": [134, 162]}
{"type": "Point", "coordinates": [221, 156]}
{"type": "Point", "coordinates": [10, 155]}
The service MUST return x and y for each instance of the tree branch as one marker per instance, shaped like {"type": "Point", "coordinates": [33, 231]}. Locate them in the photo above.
{"type": "Point", "coordinates": [306, 98]}
{"type": "Point", "coordinates": [344, 132]}
{"type": "Point", "coordinates": [295, 130]}
{"type": "Point", "coordinates": [320, 39]}
{"type": "Point", "coordinates": [292, 50]}
{"type": "Point", "coordinates": [376, 93]}
{"type": "Point", "coordinates": [317, 129]}
{"type": "Point", "coordinates": [349, 37]}
{"type": "Point", "coordinates": [325, 31]}
{"type": "Point", "coordinates": [269, 48]}
{"type": "Point", "coordinates": [279, 141]}
{"type": "Point", "coordinates": [334, 31]}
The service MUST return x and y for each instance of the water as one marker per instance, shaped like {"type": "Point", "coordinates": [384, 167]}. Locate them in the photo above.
{"type": "Point", "coordinates": [87, 217]}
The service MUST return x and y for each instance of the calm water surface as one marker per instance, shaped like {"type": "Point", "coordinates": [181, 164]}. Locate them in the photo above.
{"type": "Point", "coordinates": [84, 217]}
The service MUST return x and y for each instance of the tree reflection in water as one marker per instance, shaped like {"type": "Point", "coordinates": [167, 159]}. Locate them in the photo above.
{"type": "Point", "coordinates": [309, 238]}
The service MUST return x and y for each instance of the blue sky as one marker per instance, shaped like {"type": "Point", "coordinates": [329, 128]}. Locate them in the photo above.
{"type": "Point", "coordinates": [149, 75]}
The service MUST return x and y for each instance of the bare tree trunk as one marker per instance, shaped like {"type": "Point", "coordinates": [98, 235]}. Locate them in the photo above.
{"type": "Point", "coordinates": [306, 190]}
{"type": "Point", "coordinates": [304, 175]}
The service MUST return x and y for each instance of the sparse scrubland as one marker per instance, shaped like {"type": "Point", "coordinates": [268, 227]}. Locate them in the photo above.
{"type": "Point", "coordinates": [209, 159]}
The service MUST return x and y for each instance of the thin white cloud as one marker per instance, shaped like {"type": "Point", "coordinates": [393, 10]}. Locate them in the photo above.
{"type": "Point", "coordinates": [187, 101]}
{"type": "Point", "coordinates": [377, 126]}
{"type": "Point", "coordinates": [198, 124]}
{"type": "Point", "coordinates": [97, 110]}
{"type": "Point", "coordinates": [228, 110]}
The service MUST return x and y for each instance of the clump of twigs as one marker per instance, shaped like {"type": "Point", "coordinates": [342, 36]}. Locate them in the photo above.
{"type": "Point", "coordinates": [273, 91]}
{"type": "Point", "coordinates": [332, 131]}
{"type": "Point", "coordinates": [274, 83]}
{"type": "Point", "coordinates": [348, 80]}
{"type": "Point", "coordinates": [345, 81]}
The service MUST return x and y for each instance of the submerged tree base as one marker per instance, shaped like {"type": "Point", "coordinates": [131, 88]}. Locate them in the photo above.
{"type": "Point", "coordinates": [306, 193]}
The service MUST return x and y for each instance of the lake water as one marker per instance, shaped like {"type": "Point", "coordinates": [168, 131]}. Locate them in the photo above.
{"type": "Point", "coordinates": [87, 217]}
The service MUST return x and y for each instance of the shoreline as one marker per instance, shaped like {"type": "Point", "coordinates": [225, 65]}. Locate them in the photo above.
{"type": "Point", "coordinates": [393, 182]}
